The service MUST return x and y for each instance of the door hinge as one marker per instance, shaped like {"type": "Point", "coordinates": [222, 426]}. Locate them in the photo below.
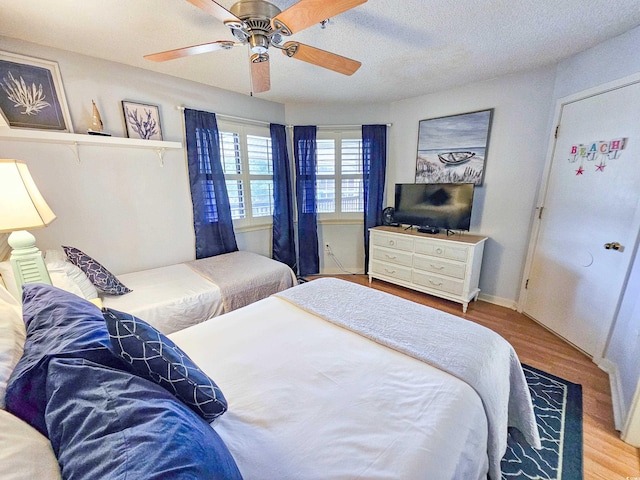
{"type": "Point", "coordinates": [526, 284]}
{"type": "Point", "coordinates": [557, 128]}
{"type": "Point", "coordinates": [540, 213]}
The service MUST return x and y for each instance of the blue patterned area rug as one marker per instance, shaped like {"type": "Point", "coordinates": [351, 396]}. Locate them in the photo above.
{"type": "Point", "coordinates": [558, 409]}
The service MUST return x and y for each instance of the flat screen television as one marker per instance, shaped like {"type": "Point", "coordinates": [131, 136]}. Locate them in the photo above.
{"type": "Point", "coordinates": [434, 206]}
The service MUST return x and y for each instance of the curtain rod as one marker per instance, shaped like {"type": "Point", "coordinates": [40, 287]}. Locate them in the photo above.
{"type": "Point", "coordinates": [230, 117]}
{"type": "Point", "coordinates": [339, 126]}
{"type": "Point", "coordinates": [262, 122]}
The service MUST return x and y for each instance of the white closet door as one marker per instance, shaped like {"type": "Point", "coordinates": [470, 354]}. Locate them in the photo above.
{"type": "Point", "coordinates": [575, 282]}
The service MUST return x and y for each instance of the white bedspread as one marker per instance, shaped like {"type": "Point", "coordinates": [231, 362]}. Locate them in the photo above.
{"type": "Point", "coordinates": [169, 298]}
{"type": "Point", "coordinates": [309, 400]}
{"type": "Point", "coordinates": [471, 352]}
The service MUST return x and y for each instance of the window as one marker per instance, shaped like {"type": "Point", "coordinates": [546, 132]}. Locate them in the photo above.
{"type": "Point", "coordinates": [245, 152]}
{"type": "Point", "coordinates": [339, 183]}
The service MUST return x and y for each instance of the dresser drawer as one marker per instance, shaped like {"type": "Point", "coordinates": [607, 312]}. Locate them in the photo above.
{"type": "Point", "coordinates": [390, 270]}
{"type": "Point", "coordinates": [448, 285]}
{"type": "Point", "coordinates": [393, 256]}
{"type": "Point", "coordinates": [430, 264]}
{"type": "Point", "coordinates": [441, 249]}
{"type": "Point", "coordinates": [397, 242]}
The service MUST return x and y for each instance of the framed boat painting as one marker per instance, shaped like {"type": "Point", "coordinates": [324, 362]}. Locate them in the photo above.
{"type": "Point", "coordinates": [31, 94]}
{"type": "Point", "coordinates": [453, 149]}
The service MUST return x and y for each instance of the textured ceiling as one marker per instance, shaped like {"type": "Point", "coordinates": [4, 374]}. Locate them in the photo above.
{"type": "Point", "coordinates": [407, 47]}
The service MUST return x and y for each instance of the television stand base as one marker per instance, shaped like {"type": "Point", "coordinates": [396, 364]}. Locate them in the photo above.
{"type": "Point", "coordinates": [431, 230]}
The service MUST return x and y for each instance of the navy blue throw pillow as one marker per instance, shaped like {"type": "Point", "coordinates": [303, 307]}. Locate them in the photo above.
{"type": "Point", "coordinates": [112, 425]}
{"type": "Point", "coordinates": [101, 278]}
{"type": "Point", "coordinates": [153, 356]}
{"type": "Point", "coordinates": [59, 324]}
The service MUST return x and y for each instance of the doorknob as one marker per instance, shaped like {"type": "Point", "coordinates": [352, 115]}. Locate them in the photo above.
{"type": "Point", "coordinates": [614, 246]}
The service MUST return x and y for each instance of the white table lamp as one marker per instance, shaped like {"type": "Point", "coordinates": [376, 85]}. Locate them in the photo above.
{"type": "Point", "coordinates": [22, 207]}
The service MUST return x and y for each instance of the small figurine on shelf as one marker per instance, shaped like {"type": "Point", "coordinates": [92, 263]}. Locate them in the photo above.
{"type": "Point", "coordinates": [97, 128]}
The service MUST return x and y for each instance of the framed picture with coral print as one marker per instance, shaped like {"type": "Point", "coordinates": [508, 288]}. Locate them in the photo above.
{"type": "Point", "coordinates": [142, 120]}
{"type": "Point", "coordinates": [453, 149]}
{"type": "Point", "coordinates": [32, 95]}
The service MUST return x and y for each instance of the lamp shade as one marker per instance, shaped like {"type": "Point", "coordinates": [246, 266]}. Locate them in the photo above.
{"type": "Point", "coordinates": [21, 204]}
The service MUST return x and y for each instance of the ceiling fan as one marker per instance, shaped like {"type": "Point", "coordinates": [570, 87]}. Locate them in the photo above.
{"type": "Point", "coordinates": [260, 25]}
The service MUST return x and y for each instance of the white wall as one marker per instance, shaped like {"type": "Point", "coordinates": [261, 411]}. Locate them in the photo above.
{"type": "Point", "coordinates": [504, 205]}
{"type": "Point", "coordinates": [608, 61]}
{"type": "Point", "coordinates": [119, 204]}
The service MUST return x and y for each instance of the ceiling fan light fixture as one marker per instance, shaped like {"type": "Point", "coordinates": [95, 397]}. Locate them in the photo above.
{"type": "Point", "coordinates": [259, 43]}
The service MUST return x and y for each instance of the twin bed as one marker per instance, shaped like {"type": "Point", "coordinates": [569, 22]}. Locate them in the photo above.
{"type": "Point", "coordinates": [333, 380]}
{"type": "Point", "coordinates": [177, 296]}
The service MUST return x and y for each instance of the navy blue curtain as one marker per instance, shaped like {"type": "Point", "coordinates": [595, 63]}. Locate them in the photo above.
{"type": "Point", "coordinates": [211, 211]}
{"type": "Point", "coordinates": [304, 141]}
{"type": "Point", "coordinates": [283, 238]}
{"type": "Point", "coordinates": [374, 163]}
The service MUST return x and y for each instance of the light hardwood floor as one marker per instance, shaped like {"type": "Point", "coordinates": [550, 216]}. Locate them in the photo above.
{"type": "Point", "coordinates": [606, 457]}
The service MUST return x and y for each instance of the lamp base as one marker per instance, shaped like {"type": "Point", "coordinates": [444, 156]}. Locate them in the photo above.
{"type": "Point", "coordinates": [26, 260]}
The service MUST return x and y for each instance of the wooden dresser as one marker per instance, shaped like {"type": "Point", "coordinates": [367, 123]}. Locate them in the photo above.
{"type": "Point", "coordinates": [440, 265]}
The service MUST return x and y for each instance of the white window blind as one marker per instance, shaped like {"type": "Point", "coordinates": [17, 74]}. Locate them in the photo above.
{"type": "Point", "coordinates": [339, 187]}
{"type": "Point", "coordinates": [248, 169]}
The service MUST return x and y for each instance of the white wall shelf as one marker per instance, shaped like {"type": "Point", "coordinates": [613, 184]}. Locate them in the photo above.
{"type": "Point", "coordinates": [74, 140]}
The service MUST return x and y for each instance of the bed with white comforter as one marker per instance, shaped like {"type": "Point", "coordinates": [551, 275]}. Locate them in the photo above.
{"type": "Point", "coordinates": [310, 398]}
{"type": "Point", "coordinates": [326, 380]}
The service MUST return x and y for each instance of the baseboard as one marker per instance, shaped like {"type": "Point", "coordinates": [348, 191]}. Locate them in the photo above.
{"type": "Point", "coordinates": [631, 431]}
{"type": "Point", "coordinates": [502, 302]}
{"type": "Point", "coordinates": [617, 399]}
{"type": "Point", "coordinates": [337, 271]}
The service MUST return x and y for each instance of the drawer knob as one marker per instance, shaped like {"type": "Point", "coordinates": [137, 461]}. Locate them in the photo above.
{"type": "Point", "coordinates": [437, 284]}
{"type": "Point", "coordinates": [389, 271]}
{"type": "Point", "coordinates": [391, 257]}
{"type": "Point", "coordinates": [439, 250]}
{"type": "Point", "coordinates": [437, 267]}
{"type": "Point", "coordinates": [392, 242]}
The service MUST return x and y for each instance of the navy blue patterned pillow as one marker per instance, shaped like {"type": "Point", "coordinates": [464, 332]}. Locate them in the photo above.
{"type": "Point", "coordinates": [102, 278]}
{"type": "Point", "coordinates": [153, 356]}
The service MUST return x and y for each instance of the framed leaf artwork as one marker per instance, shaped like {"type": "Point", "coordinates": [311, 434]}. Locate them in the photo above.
{"type": "Point", "coordinates": [142, 120]}
{"type": "Point", "coordinates": [31, 93]}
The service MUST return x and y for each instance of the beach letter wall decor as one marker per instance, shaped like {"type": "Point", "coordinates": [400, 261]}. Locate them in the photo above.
{"type": "Point", "coordinates": [597, 152]}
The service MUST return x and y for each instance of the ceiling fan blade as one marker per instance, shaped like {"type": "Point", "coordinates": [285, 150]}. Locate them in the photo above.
{"type": "Point", "coordinates": [260, 73]}
{"type": "Point", "coordinates": [218, 11]}
{"type": "Point", "coordinates": [308, 12]}
{"type": "Point", "coordinates": [322, 58]}
{"type": "Point", "coordinates": [192, 50]}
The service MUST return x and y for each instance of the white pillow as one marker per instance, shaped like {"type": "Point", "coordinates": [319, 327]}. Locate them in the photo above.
{"type": "Point", "coordinates": [9, 279]}
{"type": "Point", "coordinates": [56, 261]}
{"type": "Point", "coordinates": [64, 275]}
{"type": "Point", "coordinates": [25, 454]}
{"type": "Point", "coordinates": [12, 338]}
